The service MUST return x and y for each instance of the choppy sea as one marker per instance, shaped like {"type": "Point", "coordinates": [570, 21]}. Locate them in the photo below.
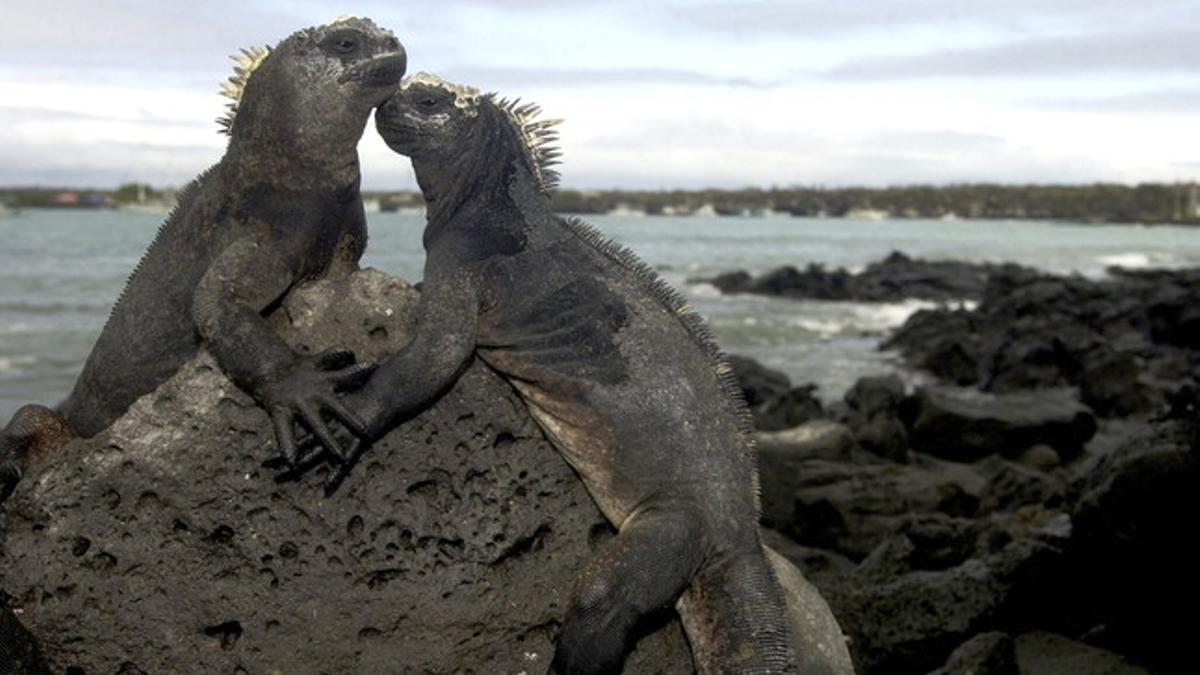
{"type": "Point", "coordinates": [61, 271]}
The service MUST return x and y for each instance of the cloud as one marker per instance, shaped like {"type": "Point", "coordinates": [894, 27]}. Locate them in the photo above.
{"type": "Point", "coordinates": [809, 18]}
{"type": "Point", "coordinates": [926, 142]}
{"type": "Point", "coordinates": [1161, 51]}
{"type": "Point", "coordinates": [1164, 101]}
{"type": "Point", "coordinates": [15, 114]}
{"type": "Point", "coordinates": [146, 38]}
{"type": "Point", "coordinates": [819, 18]}
{"type": "Point", "coordinates": [515, 78]}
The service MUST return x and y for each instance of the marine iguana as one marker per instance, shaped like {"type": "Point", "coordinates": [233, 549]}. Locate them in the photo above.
{"type": "Point", "coordinates": [621, 375]}
{"type": "Point", "coordinates": [280, 207]}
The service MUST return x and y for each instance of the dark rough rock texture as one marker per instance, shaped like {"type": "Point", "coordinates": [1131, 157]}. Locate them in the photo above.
{"type": "Point", "coordinates": [965, 425]}
{"type": "Point", "coordinates": [1048, 497]}
{"type": "Point", "coordinates": [917, 558]}
{"type": "Point", "coordinates": [1126, 342]}
{"type": "Point", "coordinates": [873, 411]}
{"type": "Point", "coordinates": [1042, 653]}
{"type": "Point", "coordinates": [19, 653]}
{"type": "Point", "coordinates": [985, 654]}
{"type": "Point", "coordinates": [774, 402]}
{"type": "Point", "coordinates": [1132, 512]}
{"type": "Point", "coordinates": [907, 621]}
{"type": "Point", "coordinates": [849, 507]}
{"type": "Point", "coordinates": [818, 439]}
{"type": "Point", "coordinates": [162, 546]}
{"type": "Point", "coordinates": [896, 277]}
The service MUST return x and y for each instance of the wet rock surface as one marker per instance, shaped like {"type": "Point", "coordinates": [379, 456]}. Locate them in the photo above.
{"type": "Point", "coordinates": [1126, 342]}
{"type": "Point", "coordinates": [896, 277]}
{"type": "Point", "coordinates": [163, 546]}
{"type": "Point", "coordinates": [774, 402]}
{"type": "Point", "coordinates": [1024, 509]}
{"type": "Point", "coordinates": [965, 425]}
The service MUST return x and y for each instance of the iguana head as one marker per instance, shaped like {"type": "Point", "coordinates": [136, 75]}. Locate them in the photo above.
{"type": "Point", "coordinates": [314, 89]}
{"type": "Point", "coordinates": [444, 125]}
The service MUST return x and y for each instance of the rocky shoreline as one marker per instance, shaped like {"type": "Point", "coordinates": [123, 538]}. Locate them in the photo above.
{"type": "Point", "coordinates": [897, 277]}
{"type": "Point", "coordinates": [1022, 513]}
{"type": "Point", "coordinates": [1025, 512]}
{"type": "Point", "coordinates": [162, 545]}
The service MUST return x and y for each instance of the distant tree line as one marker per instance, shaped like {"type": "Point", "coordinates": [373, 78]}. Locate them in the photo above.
{"type": "Point", "coordinates": [1100, 202]}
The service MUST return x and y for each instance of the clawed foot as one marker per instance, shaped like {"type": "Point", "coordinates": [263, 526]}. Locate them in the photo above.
{"type": "Point", "coordinates": [304, 394]}
{"type": "Point", "coordinates": [311, 454]}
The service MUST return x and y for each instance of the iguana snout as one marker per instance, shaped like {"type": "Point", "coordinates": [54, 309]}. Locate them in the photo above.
{"type": "Point", "coordinates": [427, 114]}
{"type": "Point", "coordinates": [381, 71]}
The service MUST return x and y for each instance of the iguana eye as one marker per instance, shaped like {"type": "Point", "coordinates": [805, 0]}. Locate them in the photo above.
{"type": "Point", "coordinates": [341, 44]}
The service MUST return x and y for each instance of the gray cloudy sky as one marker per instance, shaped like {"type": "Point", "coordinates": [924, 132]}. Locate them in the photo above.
{"type": "Point", "coordinates": [656, 93]}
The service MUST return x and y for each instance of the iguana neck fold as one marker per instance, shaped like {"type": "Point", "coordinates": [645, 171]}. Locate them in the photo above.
{"type": "Point", "coordinates": [459, 188]}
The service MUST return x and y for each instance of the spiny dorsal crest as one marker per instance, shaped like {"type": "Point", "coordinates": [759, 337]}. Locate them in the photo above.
{"type": "Point", "coordinates": [246, 62]}
{"type": "Point", "coordinates": [539, 137]}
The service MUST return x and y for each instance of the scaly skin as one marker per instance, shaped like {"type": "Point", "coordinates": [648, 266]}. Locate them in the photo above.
{"type": "Point", "coordinates": [613, 366]}
{"type": "Point", "coordinates": [282, 206]}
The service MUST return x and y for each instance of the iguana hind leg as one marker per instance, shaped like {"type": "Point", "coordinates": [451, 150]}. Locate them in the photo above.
{"type": "Point", "coordinates": [736, 619]}
{"type": "Point", "coordinates": [643, 568]}
{"type": "Point", "coordinates": [33, 435]}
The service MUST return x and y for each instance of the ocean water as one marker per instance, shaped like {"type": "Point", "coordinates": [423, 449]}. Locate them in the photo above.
{"type": "Point", "coordinates": [61, 271]}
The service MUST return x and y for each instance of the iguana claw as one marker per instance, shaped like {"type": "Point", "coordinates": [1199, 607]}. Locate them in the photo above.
{"type": "Point", "coordinates": [357, 448]}
{"type": "Point", "coordinates": [306, 391]}
{"type": "Point", "coordinates": [310, 453]}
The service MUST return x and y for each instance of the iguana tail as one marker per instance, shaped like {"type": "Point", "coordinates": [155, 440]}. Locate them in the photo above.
{"type": "Point", "coordinates": [736, 618]}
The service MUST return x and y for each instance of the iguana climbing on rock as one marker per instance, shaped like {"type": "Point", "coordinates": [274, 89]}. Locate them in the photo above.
{"type": "Point", "coordinates": [280, 207]}
{"type": "Point", "coordinates": [618, 371]}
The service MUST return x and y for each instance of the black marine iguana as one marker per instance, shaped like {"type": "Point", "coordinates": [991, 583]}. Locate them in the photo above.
{"type": "Point", "coordinates": [618, 371]}
{"type": "Point", "coordinates": [280, 207]}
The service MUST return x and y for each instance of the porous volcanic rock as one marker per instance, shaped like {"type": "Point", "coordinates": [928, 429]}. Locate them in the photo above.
{"type": "Point", "coordinates": [163, 546]}
{"type": "Point", "coordinates": [774, 403]}
{"type": "Point", "coordinates": [991, 653]}
{"type": "Point", "coordinates": [966, 425]}
{"type": "Point", "coordinates": [1126, 341]}
{"type": "Point", "coordinates": [894, 278]}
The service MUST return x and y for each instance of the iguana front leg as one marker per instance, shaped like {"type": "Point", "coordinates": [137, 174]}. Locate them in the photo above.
{"type": "Point", "coordinates": [247, 278]}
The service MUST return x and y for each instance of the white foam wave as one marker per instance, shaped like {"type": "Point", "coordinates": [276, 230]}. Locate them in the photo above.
{"type": "Point", "coordinates": [831, 320]}
{"type": "Point", "coordinates": [880, 318]}
{"type": "Point", "coordinates": [704, 290]}
{"type": "Point", "coordinates": [1127, 260]}
{"type": "Point", "coordinates": [1141, 261]}
{"type": "Point", "coordinates": [822, 328]}
{"type": "Point", "coordinates": [15, 364]}
{"type": "Point", "coordinates": [15, 329]}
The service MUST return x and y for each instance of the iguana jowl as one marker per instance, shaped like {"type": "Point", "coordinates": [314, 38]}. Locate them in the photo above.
{"type": "Point", "coordinates": [280, 207]}
{"type": "Point", "coordinates": [620, 374]}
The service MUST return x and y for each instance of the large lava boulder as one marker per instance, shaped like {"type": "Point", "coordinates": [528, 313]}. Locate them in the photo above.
{"type": "Point", "coordinates": [163, 546]}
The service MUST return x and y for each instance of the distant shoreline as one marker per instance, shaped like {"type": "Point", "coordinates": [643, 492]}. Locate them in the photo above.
{"type": "Point", "coordinates": [1101, 203]}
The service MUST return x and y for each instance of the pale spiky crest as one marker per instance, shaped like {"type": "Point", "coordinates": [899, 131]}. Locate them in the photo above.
{"type": "Point", "coordinates": [539, 137]}
{"type": "Point", "coordinates": [465, 98]}
{"type": "Point", "coordinates": [245, 63]}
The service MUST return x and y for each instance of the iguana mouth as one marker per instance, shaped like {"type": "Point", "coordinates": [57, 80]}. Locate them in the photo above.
{"type": "Point", "coordinates": [396, 134]}
{"type": "Point", "coordinates": [384, 70]}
